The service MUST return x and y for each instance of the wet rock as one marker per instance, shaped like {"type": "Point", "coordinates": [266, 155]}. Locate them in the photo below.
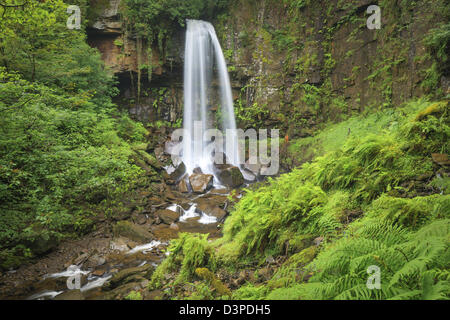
{"type": "Point", "coordinates": [141, 219]}
{"type": "Point", "coordinates": [198, 170]}
{"type": "Point", "coordinates": [248, 175]}
{"type": "Point", "coordinates": [70, 295]}
{"type": "Point", "coordinates": [125, 276]}
{"type": "Point", "coordinates": [230, 176]}
{"type": "Point", "coordinates": [211, 209]}
{"type": "Point", "coordinates": [211, 200]}
{"type": "Point", "coordinates": [186, 204]}
{"type": "Point", "coordinates": [95, 260]}
{"type": "Point", "coordinates": [218, 213]}
{"type": "Point", "coordinates": [168, 216]}
{"type": "Point", "coordinates": [99, 272]}
{"type": "Point", "coordinates": [183, 186]}
{"type": "Point", "coordinates": [132, 231]}
{"type": "Point", "coordinates": [174, 226]}
{"type": "Point", "coordinates": [119, 244]}
{"type": "Point", "coordinates": [178, 172]}
{"type": "Point", "coordinates": [200, 183]}
{"type": "Point", "coordinates": [81, 258]}
{"type": "Point", "coordinates": [163, 232]}
{"type": "Point", "coordinates": [220, 191]}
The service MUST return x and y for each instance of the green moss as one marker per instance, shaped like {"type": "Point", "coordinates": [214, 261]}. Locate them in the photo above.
{"type": "Point", "coordinates": [212, 280]}
{"type": "Point", "coordinates": [187, 253]}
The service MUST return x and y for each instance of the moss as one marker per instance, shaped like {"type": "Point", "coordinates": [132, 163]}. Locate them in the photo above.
{"type": "Point", "coordinates": [434, 108]}
{"type": "Point", "coordinates": [187, 253]}
{"type": "Point", "coordinates": [212, 280]}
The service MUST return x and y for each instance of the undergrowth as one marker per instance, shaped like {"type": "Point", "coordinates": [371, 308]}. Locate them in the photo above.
{"type": "Point", "coordinates": [371, 200]}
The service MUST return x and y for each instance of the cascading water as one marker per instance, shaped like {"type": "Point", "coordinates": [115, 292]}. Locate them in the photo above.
{"type": "Point", "coordinates": [202, 52]}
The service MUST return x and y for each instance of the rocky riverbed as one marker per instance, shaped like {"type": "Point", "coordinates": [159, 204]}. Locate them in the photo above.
{"type": "Point", "coordinates": [121, 255]}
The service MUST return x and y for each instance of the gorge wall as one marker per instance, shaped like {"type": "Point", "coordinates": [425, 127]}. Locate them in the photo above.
{"type": "Point", "coordinates": [297, 65]}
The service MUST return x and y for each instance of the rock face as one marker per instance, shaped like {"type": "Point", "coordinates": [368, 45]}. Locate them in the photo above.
{"type": "Point", "coordinates": [129, 275]}
{"type": "Point", "coordinates": [200, 183]}
{"type": "Point", "coordinates": [178, 172]}
{"type": "Point", "coordinates": [168, 216]}
{"type": "Point", "coordinates": [345, 65]}
{"type": "Point", "coordinates": [230, 175]}
{"type": "Point", "coordinates": [183, 186]}
{"type": "Point", "coordinates": [132, 231]}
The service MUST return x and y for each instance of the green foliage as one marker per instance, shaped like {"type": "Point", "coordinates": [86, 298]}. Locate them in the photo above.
{"type": "Point", "coordinates": [186, 254]}
{"type": "Point", "coordinates": [156, 19]}
{"type": "Point", "coordinates": [249, 116]}
{"type": "Point", "coordinates": [438, 41]}
{"type": "Point", "coordinates": [413, 265]}
{"type": "Point", "coordinates": [412, 213]}
{"type": "Point", "coordinates": [134, 295]}
{"type": "Point", "coordinates": [36, 42]}
{"type": "Point", "coordinates": [350, 197]}
{"type": "Point", "coordinates": [265, 218]}
{"type": "Point", "coordinates": [57, 156]}
{"type": "Point", "coordinates": [217, 285]}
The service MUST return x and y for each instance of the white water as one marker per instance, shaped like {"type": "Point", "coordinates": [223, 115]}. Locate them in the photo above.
{"type": "Point", "coordinates": [202, 53]}
{"type": "Point", "coordinates": [145, 248]}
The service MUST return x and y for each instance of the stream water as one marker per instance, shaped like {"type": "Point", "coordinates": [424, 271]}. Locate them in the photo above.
{"type": "Point", "coordinates": [203, 56]}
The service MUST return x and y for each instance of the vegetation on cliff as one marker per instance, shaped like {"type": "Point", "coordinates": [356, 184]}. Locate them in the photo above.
{"type": "Point", "coordinates": [65, 150]}
{"type": "Point", "coordinates": [377, 199]}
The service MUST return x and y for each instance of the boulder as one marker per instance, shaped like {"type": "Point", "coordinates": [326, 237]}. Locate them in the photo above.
{"type": "Point", "coordinates": [178, 172]}
{"type": "Point", "coordinates": [183, 186]}
{"type": "Point", "coordinates": [200, 183]}
{"type": "Point", "coordinates": [126, 275]}
{"type": "Point", "coordinates": [212, 209]}
{"type": "Point", "coordinates": [218, 213]}
{"type": "Point", "coordinates": [132, 231]}
{"type": "Point", "coordinates": [168, 216]}
{"type": "Point", "coordinates": [230, 175]}
{"type": "Point", "coordinates": [197, 170]}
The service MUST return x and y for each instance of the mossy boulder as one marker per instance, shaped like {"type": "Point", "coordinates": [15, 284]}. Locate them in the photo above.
{"type": "Point", "coordinates": [230, 176]}
{"type": "Point", "coordinates": [131, 231]}
{"type": "Point", "coordinates": [212, 280]}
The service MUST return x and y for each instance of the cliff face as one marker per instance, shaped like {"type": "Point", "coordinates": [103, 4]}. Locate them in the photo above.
{"type": "Point", "coordinates": [161, 96]}
{"type": "Point", "coordinates": [293, 64]}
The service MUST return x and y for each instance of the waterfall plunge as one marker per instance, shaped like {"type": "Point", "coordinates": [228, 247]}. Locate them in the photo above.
{"type": "Point", "coordinates": [202, 52]}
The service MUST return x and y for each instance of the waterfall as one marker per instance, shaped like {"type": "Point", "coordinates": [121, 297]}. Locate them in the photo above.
{"type": "Point", "coordinates": [202, 53]}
